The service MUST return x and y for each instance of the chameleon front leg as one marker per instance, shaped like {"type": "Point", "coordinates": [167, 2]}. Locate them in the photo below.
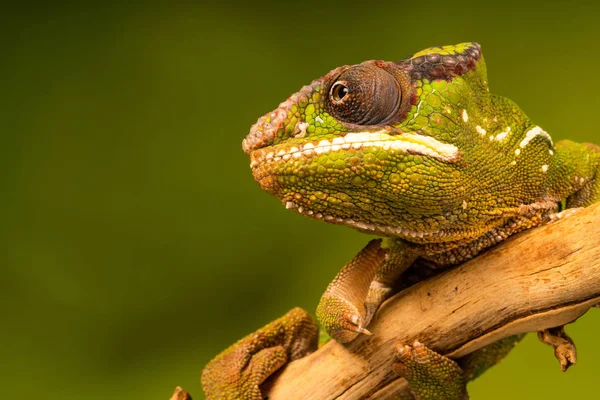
{"type": "Point", "coordinates": [353, 297]}
{"type": "Point", "coordinates": [238, 372]}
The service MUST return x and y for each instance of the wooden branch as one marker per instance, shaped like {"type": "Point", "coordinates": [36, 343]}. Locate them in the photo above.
{"type": "Point", "coordinates": [542, 278]}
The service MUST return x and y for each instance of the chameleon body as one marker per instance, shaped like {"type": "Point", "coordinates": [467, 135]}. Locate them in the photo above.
{"type": "Point", "coordinates": [420, 153]}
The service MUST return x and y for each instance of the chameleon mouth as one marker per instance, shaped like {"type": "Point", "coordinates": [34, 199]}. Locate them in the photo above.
{"type": "Point", "coordinates": [405, 142]}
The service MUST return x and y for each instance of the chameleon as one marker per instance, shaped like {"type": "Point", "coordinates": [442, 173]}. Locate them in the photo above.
{"type": "Point", "coordinates": [419, 153]}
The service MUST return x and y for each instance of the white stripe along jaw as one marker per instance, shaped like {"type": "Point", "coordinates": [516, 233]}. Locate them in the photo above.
{"type": "Point", "coordinates": [407, 142]}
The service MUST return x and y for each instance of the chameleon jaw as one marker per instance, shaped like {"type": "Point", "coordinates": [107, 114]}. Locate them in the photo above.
{"type": "Point", "coordinates": [371, 228]}
{"type": "Point", "coordinates": [405, 142]}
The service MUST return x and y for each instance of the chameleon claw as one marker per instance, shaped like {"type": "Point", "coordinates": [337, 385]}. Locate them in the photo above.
{"type": "Point", "coordinates": [358, 324]}
{"type": "Point", "coordinates": [364, 331]}
{"type": "Point", "coordinates": [417, 352]}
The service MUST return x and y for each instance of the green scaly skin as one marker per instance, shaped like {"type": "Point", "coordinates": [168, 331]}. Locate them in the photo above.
{"type": "Point", "coordinates": [420, 153]}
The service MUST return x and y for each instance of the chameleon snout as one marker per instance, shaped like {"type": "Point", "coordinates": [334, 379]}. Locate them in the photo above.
{"type": "Point", "coordinates": [282, 123]}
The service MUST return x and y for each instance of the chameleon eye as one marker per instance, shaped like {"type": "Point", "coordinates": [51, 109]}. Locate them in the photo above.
{"type": "Point", "coordinates": [364, 95]}
{"type": "Point", "coordinates": [339, 90]}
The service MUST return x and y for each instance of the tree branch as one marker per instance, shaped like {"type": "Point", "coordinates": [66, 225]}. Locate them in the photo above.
{"type": "Point", "coordinates": [542, 278]}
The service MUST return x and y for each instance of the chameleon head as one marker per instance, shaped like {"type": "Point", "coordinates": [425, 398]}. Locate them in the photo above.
{"type": "Point", "coordinates": [384, 147]}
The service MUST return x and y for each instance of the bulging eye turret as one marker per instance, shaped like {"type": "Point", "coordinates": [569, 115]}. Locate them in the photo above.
{"type": "Point", "coordinates": [364, 95]}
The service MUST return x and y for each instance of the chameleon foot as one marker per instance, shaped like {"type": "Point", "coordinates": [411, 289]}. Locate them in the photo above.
{"type": "Point", "coordinates": [341, 310]}
{"type": "Point", "coordinates": [564, 347]}
{"type": "Point", "coordinates": [238, 372]}
{"type": "Point", "coordinates": [430, 375]}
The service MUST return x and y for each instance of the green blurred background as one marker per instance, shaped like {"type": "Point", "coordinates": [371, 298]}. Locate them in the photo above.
{"type": "Point", "coordinates": [137, 244]}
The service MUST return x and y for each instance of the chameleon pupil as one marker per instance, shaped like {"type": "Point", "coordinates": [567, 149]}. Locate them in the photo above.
{"type": "Point", "coordinates": [339, 91]}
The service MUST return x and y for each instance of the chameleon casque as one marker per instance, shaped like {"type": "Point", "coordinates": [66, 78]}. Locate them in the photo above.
{"type": "Point", "coordinates": [420, 153]}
